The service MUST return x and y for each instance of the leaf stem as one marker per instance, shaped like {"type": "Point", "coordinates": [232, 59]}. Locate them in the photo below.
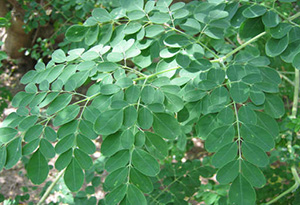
{"type": "Point", "coordinates": [49, 189]}
{"type": "Point", "coordinates": [155, 74]}
{"type": "Point", "coordinates": [239, 48]}
{"type": "Point", "coordinates": [296, 94]}
{"type": "Point", "coordinates": [239, 134]}
{"type": "Point", "coordinates": [294, 16]}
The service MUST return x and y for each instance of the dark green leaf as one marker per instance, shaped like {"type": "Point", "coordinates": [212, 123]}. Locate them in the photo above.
{"type": "Point", "coordinates": [254, 154]}
{"type": "Point", "coordinates": [218, 137]}
{"type": "Point", "coordinates": [109, 122]}
{"type": "Point", "coordinates": [7, 134]}
{"type": "Point", "coordinates": [83, 159]}
{"type": "Point", "coordinates": [241, 191]}
{"type": "Point", "coordinates": [120, 159]}
{"type": "Point", "coordinates": [116, 195]}
{"type": "Point", "coordinates": [156, 145]}
{"type": "Point", "coordinates": [74, 176]}
{"type": "Point", "coordinates": [135, 196]}
{"type": "Point", "coordinates": [229, 172]}
{"type": "Point", "coordinates": [46, 148]}
{"type": "Point", "coordinates": [226, 154]}
{"type": "Point", "coordinates": [145, 118]}
{"type": "Point", "coordinates": [111, 144]}
{"type": "Point", "coordinates": [253, 174]}
{"type": "Point", "coordinates": [37, 168]}
{"type": "Point", "coordinates": [145, 163]}
{"type": "Point", "coordinates": [64, 160]}
{"type": "Point", "coordinates": [116, 178]}
{"type": "Point", "coordinates": [165, 125]}
{"type": "Point", "coordinates": [141, 181]}
{"type": "Point", "coordinates": [65, 143]}
{"type": "Point", "coordinates": [85, 144]}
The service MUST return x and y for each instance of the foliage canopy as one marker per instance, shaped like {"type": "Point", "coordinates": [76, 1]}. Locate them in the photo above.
{"type": "Point", "coordinates": [159, 75]}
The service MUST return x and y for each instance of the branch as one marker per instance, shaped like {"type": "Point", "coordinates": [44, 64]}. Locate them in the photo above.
{"type": "Point", "coordinates": [49, 189]}
{"type": "Point", "coordinates": [239, 48]}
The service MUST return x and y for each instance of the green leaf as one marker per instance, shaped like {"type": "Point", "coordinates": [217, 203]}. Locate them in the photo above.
{"type": "Point", "coordinates": [275, 47]}
{"type": "Point", "coordinates": [74, 176]}
{"type": "Point", "coordinates": [258, 136]}
{"type": "Point", "coordinates": [92, 35]}
{"type": "Point", "coordinates": [76, 33]}
{"type": "Point", "coordinates": [154, 30]}
{"type": "Point", "coordinates": [116, 195]}
{"type": "Point", "coordinates": [226, 116]}
{"type": "Point", "coordinates": [66, 115]}
{"type": "Point", "coordinates": [132, 94]}
{"type": "Point", "coordinates": [141, 181]}
{"type": "Point", "coordinates": [253, 174]}
{"type": "Point", "coordinates": [274, 106]}
{"type": "Point", "coordinates": [31, 88]}
{"type": "Point", "coordinates": [37, 168]}
{"type": "Point", "coordinates": [118, 160]}
{"type": "Point", "coordinates": [85, 144]}
{"type": "Point", "coordinates": [3, 155]}
{"type": "Point", "coordinates": [156, 145]}
{"type": "Point", "coordinates": [239, 92]}
{"type": "Point", "coordinates": [59, 56]}
{"type": "Point", "coordinates": [218, 137]}
{"type": "Point", "coordinates": [64, 160]}
{"type": "Point", "coordinates": [130, 116]}
{"type": "Point", "coordinates": [147, 94]}
{"type": "Point", "coordinates": [280, 30]}
{"type": "Point", "coordinates": [83, 159]}
{"type": "Point", "coordinates": [107, 67]}
{"type": "Point", "coordinates": [159, 18]}
{"type": "Point", "coordinates": [254, 154]}
{"type": "Point", "coordinates": [47, 149]}
{"type": "Point", "coordinates": [139, 139]}
{"type": "Point", "coordinates": [86, 128]}
{"type": "Point", "coordinates": [296, 61]}
{"type": "Point", "coordinates": [145, 118]}
{"type": "Point", "coordinates": [226, 154]}
{"type": "Point", "coordinates": [59, 103]}
{"type": "Point", "coordinates": [27, 122]}
{"type": "Point", "coordinates": [270, 19]}
{"type": "Point", "coordinates": [247, 115]}
{"type": "Point", "coordinates": [67, 129]}
{"type": "Point", "coordinates": [65, 143]}
{"type": "Point", "coordinates": [257, 96]}
{"type": "Point", "coordinates": [268, 123]}
{"type": "Point", "coordinates": [7, 134]}
{"type": "Point", "coordinates": [251, 27]}
{"type": "Point", "coordinates": [173, 102]}
{"type": "Point", "coordinates": [14, 152]}
{"type": "Point", "coordinates": [109, 122]}
{"type": "Point", "coordinates": [145, 163]}
{"type": "Point", "coordinates": [165, 125]}
{"type": "Point", "coordinates": [176, 41]}
{"type": "Point", "coordinates": [132, 27]}
{"type": "Point", "coordinates": [101, 15]}
{"type": "Point", "coordinates": [116, 178]}
{"type": "Point", "coordinates": [241, 192]}
{"type": "Point", "coordinates": [111, 144]}
{"type": "Point", "coordinates": [228, 172]}
{"type": "Point", "coordinates": [135, 196]}
{"type": "Point", "coordinates": [127, 139]}
{"type": "Point", "coordinates": [109, 89]}
{"type": "Point", "coordinates": [254, 11]}
{"type": "Point", "coordinates": [30, 147]}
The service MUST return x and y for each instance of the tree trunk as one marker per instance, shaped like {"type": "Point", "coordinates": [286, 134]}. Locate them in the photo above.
{"type": "Point", "coordinates": [14, 37]}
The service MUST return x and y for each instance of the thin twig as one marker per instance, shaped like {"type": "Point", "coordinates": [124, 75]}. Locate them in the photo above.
{"type": "Point", "coordinates": [49, 189]}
